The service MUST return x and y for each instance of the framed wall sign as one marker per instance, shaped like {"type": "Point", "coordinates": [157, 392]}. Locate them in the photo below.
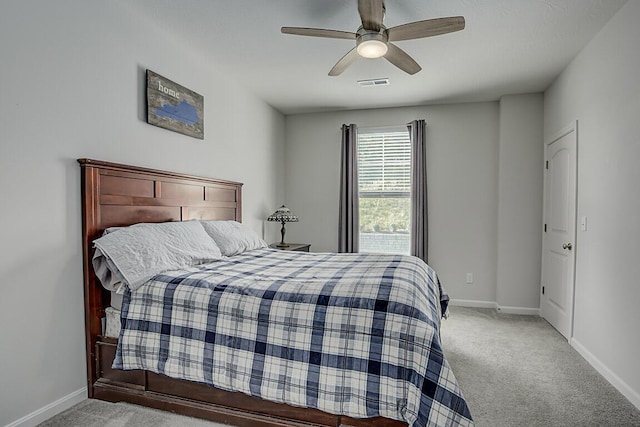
{"type": "Point", "coordinates": [174, 107]}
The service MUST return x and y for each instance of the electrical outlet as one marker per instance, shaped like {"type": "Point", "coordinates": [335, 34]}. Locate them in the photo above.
{"type": "Point", "coordinates": [469, 278]}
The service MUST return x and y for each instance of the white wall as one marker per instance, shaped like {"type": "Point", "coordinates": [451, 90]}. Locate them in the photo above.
{"type": "Point", "coordinates": [600, 90]}
{"type": "Point", "coordinates": [484, 191]}
{"type": "Point", "coordinates": [462, 162]}
{"type": "Point", "coordinates": [520, 186]}
{"type": "Point", "coordinates": [72, 79]}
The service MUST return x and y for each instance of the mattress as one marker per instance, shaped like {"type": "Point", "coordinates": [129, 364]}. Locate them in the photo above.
{"type": "Point", "coordinates": [116, 301]}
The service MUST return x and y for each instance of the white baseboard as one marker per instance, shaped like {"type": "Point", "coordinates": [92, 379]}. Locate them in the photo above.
{"type": "Point", "coordinates": [616, 381]}
{"type": "Point", "coordinates": [494, 305]}
{"type": "Point", "coordinates": [526, 311]}
{"type": "Point", "coordinates": [473, 303]}
{"type": "Point", "coordinates": [50, 410]}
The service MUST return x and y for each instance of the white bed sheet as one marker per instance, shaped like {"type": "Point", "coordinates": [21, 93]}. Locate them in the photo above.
{"type": "Point", "coordinates": [112, 323]}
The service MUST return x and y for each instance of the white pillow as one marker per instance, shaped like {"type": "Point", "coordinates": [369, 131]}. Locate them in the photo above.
{"type": "Point", "coordinates": [141, 251]}
{"type": "Point", "coordinates": [233, 237]}
{"type": "Point", "coordinates": [107, 272]}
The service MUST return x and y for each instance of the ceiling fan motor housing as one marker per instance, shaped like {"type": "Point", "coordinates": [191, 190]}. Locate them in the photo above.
{"type": "Point", "coordinates": [372, 44]}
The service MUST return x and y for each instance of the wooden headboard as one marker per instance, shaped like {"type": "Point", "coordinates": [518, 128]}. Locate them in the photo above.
{"type": "Point", "coordinates": [119, 195]}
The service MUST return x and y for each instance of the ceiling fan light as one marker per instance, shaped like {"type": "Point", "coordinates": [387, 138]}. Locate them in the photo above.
{"type": "Point", "coordinates": [371, 44]}
{"type": "Point", "coordinates": [372, 48]}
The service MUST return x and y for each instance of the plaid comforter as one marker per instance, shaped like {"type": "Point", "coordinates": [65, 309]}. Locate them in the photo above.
{"type": "Point", "coordinates": [349, 334]}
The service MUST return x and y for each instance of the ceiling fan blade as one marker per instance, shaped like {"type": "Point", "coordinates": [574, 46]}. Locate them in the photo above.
{"type": "Point", "coordinates": [371, 13]}
{"type": "Point", "coordinates": [401, 59]}
{"type": "Point", "coordinates": [344, 62]}
{"type": "Point", "coordinates": [318, 32]}
{"type": "Point", "coordinates": [426, 28]}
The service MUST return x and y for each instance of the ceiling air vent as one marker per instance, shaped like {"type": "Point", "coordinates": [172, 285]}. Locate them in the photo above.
{"type": "Point", "coordinates": [374, 82]}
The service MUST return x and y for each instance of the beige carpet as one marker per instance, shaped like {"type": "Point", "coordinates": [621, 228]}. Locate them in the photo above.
{"type": "Point", "coordinates": [514, 371]}
{"type": "Point", "coordinates": [96, 413]}
{"type": "Point", "coordinates": [519, 371]}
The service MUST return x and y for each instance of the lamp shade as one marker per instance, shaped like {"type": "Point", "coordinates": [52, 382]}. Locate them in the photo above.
{"type": "Point", "coordinates": [282, 214]}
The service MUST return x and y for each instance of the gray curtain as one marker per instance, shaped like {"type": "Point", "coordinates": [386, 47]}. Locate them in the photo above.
{"type": "Point", "coordinates": [419, 230]}
{"type": "Point", "coordinates": [349, 221]}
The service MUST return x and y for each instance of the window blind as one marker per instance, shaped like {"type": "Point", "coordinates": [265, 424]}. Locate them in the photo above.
{"type": "Point", "coordinates": [384, 163]}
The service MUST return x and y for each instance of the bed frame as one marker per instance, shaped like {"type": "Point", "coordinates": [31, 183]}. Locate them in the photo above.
{"type": "Point", "coordinates": [120, 195]}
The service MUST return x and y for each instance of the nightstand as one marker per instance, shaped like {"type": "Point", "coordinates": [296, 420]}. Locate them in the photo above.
{"type": "Point", "coordinates": [300, 247]}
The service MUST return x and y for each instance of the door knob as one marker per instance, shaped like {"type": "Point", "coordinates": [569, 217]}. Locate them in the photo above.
{"type": "Point", "coordinates": [567, 246]}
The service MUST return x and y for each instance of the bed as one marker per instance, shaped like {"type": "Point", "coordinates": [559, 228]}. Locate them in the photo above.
{"type": "Point", "coordinates": [115, 195]}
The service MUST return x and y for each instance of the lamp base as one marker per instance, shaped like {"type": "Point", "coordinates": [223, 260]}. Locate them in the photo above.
{"type": "Point", "coordinates": [282, 244]}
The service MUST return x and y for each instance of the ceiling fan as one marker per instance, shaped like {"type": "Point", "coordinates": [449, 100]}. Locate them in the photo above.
{"type": "Point", "coordinates": [373, 39]}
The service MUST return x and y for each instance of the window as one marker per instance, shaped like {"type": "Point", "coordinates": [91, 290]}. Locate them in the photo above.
{"type": "Point", "coordinates": [384, 186]}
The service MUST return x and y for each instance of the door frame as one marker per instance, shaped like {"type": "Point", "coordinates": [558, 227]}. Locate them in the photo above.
{"type": "Point", "coordinates": [570, 128]}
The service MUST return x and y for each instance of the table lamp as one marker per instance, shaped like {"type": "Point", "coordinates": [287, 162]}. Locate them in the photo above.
{"type": "Point", "coordinates": [282, 215]}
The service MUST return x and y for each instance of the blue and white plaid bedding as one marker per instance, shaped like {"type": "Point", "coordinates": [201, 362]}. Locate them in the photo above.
{"type": "Point", "coordinates": [349, 334]}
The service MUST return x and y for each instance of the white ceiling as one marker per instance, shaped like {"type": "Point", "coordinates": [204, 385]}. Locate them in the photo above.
{"type": "Point", "coordinates": [507, 47]}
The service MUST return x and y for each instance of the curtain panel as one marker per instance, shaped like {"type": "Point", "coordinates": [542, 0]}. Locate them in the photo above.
{"type": "Point", "coordinates": [419, 230]}
{"type": "Point", "coordinates": [349, 220]}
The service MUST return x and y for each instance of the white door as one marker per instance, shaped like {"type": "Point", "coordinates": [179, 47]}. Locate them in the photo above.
{"type": "Point", "coordinates": [559, 234]}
